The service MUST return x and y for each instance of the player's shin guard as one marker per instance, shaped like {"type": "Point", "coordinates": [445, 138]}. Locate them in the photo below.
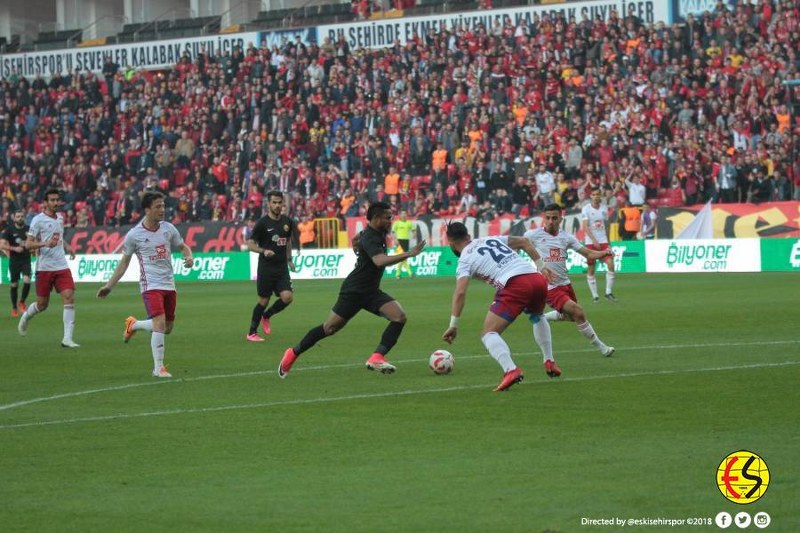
{"type": "Point", "coordinates": [276, 308]}
{"type": "Point", "coordinates": [313, 336]}
{"type": "Point", "coordinates": [69, 321]}
{"type": "Point", "coordinates": [157, 346]}
{"type": "Point", "coordinates": [592, 281]}
{"type": "Point", "coordinates": [389, 337]}
{"type": "Point", "coordinates": [13, 297]}
{"type": "Point", "coordinates": [258, 310]}
{"type": "Point", "coordinates": [541, 332]}
{"type": "Point", "coordinates": [610, 277]}
{"type": "Point", "coordinates": [26, 289]}
{"type": "Point", "coordinates": [499, 350]}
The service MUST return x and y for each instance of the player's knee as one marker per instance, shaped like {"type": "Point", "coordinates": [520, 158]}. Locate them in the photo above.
{"type": "Point", "coordinates": [578, 315]}
{"type": "Point", "coordinates": [401, 318]}
{"type": "Point", "coordinates": [287, 299]}
{"type": "Point", "coordinates": [41, 306]}
{"type": "Point", "coordinates": [331, 329]}
{"type": "Point", "coordinates": [14, 285]}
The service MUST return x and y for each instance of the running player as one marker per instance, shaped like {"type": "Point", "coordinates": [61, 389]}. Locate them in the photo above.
{"type": "Point", "coordinates": [594, 217]}
{"type": "Point", "coordinates": [552, 243]}
{"type": "Point", "coordinates": [19, 261]}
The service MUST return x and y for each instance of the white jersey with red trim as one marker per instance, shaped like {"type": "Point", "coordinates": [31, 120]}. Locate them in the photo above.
{"type": "Point", "coordinates": [43, 228]}
{"type": "Point", "coordinates": [553, 249]}
{"type": "Point", "coordinates": [597, 221]}
{"type": "Point", "coordinates": [154, 251]}
{"type": "Point", "coordinates": [491, 259]}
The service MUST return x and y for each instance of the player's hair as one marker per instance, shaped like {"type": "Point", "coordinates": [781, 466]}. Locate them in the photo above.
{"type": "Point", "coordinates": [52, 191]}
{"type": "Point", "coordinates": [377, 209]}
{"type": "Point", "coordinates": [272, 194]}
{"type": "Point", "coordinates": [552, 207]}
{"type": "Point", "coordinates": [150, 197]}
{"type": "Point", "coordinates": [457, 231]}
{"type": "Point", "coordinates": [594, 190]}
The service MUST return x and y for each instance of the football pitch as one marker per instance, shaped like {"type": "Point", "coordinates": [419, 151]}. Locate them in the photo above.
{"type": "Point", "coordinates": [705, 365]}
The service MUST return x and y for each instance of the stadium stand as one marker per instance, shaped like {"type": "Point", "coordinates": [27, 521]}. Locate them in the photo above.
{"type": "Point", "coordinates": [474, 121]}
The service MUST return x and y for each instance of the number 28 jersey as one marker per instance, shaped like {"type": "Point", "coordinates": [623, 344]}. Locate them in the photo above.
{"type": "Point", "coordinates": [491, 259]}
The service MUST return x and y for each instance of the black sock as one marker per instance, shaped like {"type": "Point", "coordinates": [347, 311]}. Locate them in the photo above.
{"type": "Point", "coordinates": [276, 308]}
{"type": "Point", "coordinates": [26, 288]}
{"type": "Point", "coordinates": [257, 311]}
{"type": "Point", "coordinates": [390, 336]}
{"type": "Point", "coordinates": [313, 336]}
{"type": "Point", "coordinates": [13, 297]}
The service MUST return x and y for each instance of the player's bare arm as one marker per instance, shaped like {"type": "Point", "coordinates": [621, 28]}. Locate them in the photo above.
{"type": "Point", "coordinates": [596, 254]}
{"type": "Point", "coordinates": [188, 258]}
{"type": "Point", "coordinates": [456, 308]}
{"type": "Point", "coordinates": [122, 267]}
{"type": "Point", "coordinates": [383, 260]}
{"type": "Point", "coordinates": [289, 261]}
{"type": "Point", "coordinates": [255, 248]}
{"type": "Point", "coordinates": [524, 244]}
{"type": "Point", "coordinates": [588, 230]}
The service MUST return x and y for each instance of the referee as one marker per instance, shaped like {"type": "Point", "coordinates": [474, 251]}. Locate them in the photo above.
{"type": "Point", "coordinates": [14, 238]}
{"type": "Point", "coordinates": [402, 229]}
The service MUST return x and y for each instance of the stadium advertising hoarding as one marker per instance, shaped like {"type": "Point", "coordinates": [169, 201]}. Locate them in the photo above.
{"type": "Point", "coordinates": [780, 255]}
{"type": "Point", "coordinates": [708, 255]}
{"type": "Point", "coordinates": [334, 263]}
{"type": "Point", "coordinates": [773, 219]}
{"type": "Point", "coordinates": [384, 33]}
{"type": "Point", "coordinates": [143, 55]}
{"type": "Point", "coordinates": [97, 268]}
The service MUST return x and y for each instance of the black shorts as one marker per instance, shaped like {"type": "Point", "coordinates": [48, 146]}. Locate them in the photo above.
{"type": "Point", "coordinates": [404, 243]}
{"type": "Point", "coordinates": [349, 304]}
{"type": "Point", "coordinates": [17, 268]}
{"type": "Point", "coordinates": [269, 283]}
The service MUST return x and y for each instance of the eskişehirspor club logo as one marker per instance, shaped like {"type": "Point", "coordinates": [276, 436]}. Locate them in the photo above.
{"type": "Point", "coordinates": [743, 477]}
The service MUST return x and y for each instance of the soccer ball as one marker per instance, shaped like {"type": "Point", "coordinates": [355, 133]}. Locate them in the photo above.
{"type": "Point", "coordinates": [442, 362]}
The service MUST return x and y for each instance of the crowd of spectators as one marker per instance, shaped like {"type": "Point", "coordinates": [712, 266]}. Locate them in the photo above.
{"type": "Point", "coordinates": [482, 121]}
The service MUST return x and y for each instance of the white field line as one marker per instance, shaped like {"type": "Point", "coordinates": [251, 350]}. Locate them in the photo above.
{"type": "Point", "coordinates": [22, 403]}
{"type": "Point", "coordinates": [378, 395]}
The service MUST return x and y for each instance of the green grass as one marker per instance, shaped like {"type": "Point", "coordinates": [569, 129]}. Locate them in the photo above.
{"type": "Point", "coordinates": [705, 365]}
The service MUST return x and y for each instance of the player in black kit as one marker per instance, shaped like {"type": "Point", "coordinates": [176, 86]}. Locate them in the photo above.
{"type": "Point", "coordinates": [14, 238]}
{"type": "Point", "coordinates": [361, 290]}
{"type": "Point", "coordinates": [271, 239]}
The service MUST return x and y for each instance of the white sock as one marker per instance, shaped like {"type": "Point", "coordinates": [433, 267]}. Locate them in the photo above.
{"type": "Point", "coordinates": [541, 332]}
{"type": "Point", "coordinates": [143, 325]}
{"type": "Point", "coordinates": [610, 282]}
{"type": "Point", "coordinates": [157, 345]}
{"type": "Point", "coordinates": [69, 321]}
{"type": "Point", "coordinates": [499, 350]}
{"type": "Point", "coordinates": [592, 281]}
{"type": "Point", "coordinates": [553, 316]}
{"type": "Point", "coordinates": [587, 331]}
{"type": "Point", "coordinates": [32, 310]}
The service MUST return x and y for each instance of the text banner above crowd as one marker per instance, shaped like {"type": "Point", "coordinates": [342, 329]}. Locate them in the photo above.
{"type": "Point", "coordinates": [384, 33]}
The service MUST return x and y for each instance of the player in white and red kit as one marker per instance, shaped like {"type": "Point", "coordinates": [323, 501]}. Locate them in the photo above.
{"type": "Point", "coordinates": [594, 218]}
{"type": "Point", "coordinates": [552, 244]}
{"type": "Point", "coordinates": [519, 288]}
{"type": "Point", "coordinates": [46, 235]}
{"type": "Point", "coordinates": [152, 241]}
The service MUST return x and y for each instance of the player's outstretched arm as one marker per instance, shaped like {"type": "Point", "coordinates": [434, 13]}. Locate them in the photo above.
{"type": "Point", "coordinates": [595, 254]}
{"type": "Point", "coordinates": [383, 260]}
{"type": "Point", "coordinates": [456, 308]}
{"type": "Point", "coordinates": [122, 266]}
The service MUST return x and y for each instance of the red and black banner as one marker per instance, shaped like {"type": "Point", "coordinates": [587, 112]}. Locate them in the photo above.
{"type": "Point", "coordinates": [775, 219]}
{"type": "Point", "coordinates": [200, 236]}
